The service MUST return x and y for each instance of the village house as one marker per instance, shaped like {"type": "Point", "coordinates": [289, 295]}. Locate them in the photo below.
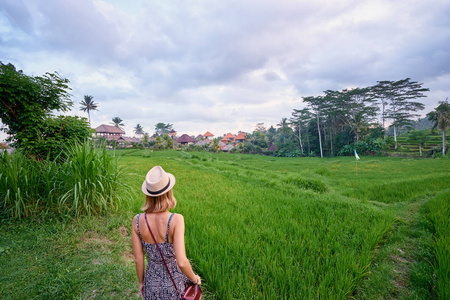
{"type": "Point", "coordinates": [173, 134]}
{"type": "Point", "coordinates": [228, 138]}
{"type": "Point", "coordinates": [109, 132]}
{"type": "Point", "coordinates": [208, 136]}
{"type": "Point", "coordinates": [115, 133]}
{"type": "Point", "coordinates": [203, 143]}
{"type": "Point", "coordinates": [185, 140]}
{"type": "Point", "coordinates": [240, 138]}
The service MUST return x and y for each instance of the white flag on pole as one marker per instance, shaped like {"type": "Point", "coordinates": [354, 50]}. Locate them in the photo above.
{"type": "Point", "coordinates": [356, 155]}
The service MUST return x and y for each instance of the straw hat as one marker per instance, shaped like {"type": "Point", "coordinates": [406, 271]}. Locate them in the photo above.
{"type": "Point", "coordinates": [157, 182]}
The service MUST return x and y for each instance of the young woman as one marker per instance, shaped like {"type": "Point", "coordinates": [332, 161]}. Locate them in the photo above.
{"type": "Point", "coordinates": [168, 230]}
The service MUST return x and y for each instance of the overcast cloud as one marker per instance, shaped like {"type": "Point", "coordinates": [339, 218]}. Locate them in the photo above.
{"type": "Point", "coordinates": [223, 66]}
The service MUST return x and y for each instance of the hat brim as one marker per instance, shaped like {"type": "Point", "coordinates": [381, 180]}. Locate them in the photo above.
{"type": "Point", "coordinates": [172, 183]}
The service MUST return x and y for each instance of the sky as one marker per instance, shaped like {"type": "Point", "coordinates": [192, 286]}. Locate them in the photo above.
{"type": "Point", "coordinates": [224, 66]}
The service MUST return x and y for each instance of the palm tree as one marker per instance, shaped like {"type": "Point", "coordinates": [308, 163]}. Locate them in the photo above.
{"type": "Point", "coordinates": [87, 105]}
{"type": "Point", "coordinates": [139, 130]}
{"type": "Point", "coordinates": [284, 128]}
{"type": "Point", "coordinates": [441, 119]}
{"type": "Point", "coordinates": [116, 121]}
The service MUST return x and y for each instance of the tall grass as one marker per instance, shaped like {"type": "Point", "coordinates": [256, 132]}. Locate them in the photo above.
{"type": "Point", "coordinates": [439, 215]}
{"type": "Point", "coordinates": [23, 184]}
{"type": "Point", "coordinates": [86, 182]}
{"type": "Point", "coordinates": [90, 179]}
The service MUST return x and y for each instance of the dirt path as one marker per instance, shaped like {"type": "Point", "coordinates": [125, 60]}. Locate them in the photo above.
{"type": "Point", "coordinates": [401, 266]}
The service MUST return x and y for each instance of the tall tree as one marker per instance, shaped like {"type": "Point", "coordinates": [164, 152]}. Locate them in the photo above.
{"type": "Point", "coordinates": [300, 119]}
{"type": "Point", "coordinates": [317, 105]}
{"type": "Point", "coordinates": [400, 105]}
{"type": "Point", "coordinates": [441, 120]}
{"type": "Point", "coordinates": [26, 105]}
{"type": "Point", "coordinates": [116, 121]}
{"type": "Point", "coordinates": [359, 109]}
{"type": "Point", "coordinates": [87, 105]}
{"type": "Point", "coordinates": [139, 130]}
{"type": "Point", "coordinates": [162, 128]}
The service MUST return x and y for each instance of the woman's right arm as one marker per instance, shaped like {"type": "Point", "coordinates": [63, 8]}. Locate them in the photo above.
{"type": "Point", "coordinates": [138, 255]}
{"type": "Point", "coordinates": [180, 250]}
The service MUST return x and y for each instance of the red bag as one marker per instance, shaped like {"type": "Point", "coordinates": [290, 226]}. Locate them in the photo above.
{"type": "Point", "coordinates": [192, 292]}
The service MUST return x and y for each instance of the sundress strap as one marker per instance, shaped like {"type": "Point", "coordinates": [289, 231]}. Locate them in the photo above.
{"type": "Point", "coordinates": [137, 224]}
{"type": "Point", "coordinates": [168, 223]}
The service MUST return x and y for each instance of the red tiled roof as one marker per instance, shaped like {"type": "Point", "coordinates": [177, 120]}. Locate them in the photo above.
{"type": "Point", "coordinates": [208, 134]}
{"type": "Point", "coordinates": [230, 135]}
{"type": "Point", "coordinates": [185, 139]}
{"type": "Point", "coordinates": [240, 136]}
{"type": "Point", "coordinates": [108, 129]}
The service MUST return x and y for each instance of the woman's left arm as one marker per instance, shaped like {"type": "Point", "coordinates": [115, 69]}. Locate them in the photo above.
{"type": "Point", "coordinates": [138, 256]}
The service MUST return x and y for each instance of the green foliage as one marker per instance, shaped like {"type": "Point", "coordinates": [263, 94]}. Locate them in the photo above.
{"type": "Point", "coordinates": [370, 147]}
{"type": "Point", "coordinates": [26, 106]}
{"type": "Point", "coordinates": [139, 130]}
{"type": "Point", "coordinates": [87, 105]}
{"type": "Point", "coordinates": [85, 182]}
{"type": "Point", "coordinates": [163, 128]}
{"type": "Point", "coordinates": [24, 184]}
{"type": "Point", "coordinates": [53, 135]}
{"type": "Point", "coordinates": [288, 153]}
{"type": "Point", "coordinates": [441, 119]}
{"type": "Point", "coordinates": [116, 121]}
{"type": "Point", "coordinates": [27, 100]}
{"type": "Point", "coordinates": [419, 137]}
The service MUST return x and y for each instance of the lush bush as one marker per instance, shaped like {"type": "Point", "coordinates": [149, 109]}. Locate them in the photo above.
{"type": "Point", "coordinates": [86, 181]}
{"type": "Point", "coordinates": [436, 152]}
{"type": "Point", "coordinates": [369, 147]}
{"type": "Point", "coordinates": [50, 138]}
{"type": "Point", "coordinates": [288, 153]}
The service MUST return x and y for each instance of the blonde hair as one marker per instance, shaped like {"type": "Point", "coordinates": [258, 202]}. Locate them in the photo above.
{"type": "Point", "coordinates": [160, 203]}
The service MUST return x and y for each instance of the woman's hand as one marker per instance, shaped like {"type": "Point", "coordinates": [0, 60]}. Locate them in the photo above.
{"type": "Point", "coordinates": [198, 280]}
{"type": "Point", "coordinates": [141, 289]}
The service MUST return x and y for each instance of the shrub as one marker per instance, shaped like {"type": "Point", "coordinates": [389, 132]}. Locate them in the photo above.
{"type": "Point", "coordinates": [370, 147]}
{"type": "Point", "coordinates": [85, 182]}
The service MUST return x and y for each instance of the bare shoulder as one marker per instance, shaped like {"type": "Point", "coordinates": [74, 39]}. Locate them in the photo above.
{"type": "Point", "coordinates": [178, 218]}
{"type": "Point", "coordinates": [135, 220]}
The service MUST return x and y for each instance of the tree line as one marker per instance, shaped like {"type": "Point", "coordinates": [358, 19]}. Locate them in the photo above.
{"type": "Point", "coordinates": [339, 122]}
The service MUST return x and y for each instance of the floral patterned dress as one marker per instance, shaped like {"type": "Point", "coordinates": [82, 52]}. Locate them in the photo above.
{"type": "Point", "coordinates": [157, 282]}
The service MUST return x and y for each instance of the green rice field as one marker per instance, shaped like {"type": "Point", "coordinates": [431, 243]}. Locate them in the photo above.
{"type": "Point", "coordinates": [256, 228]}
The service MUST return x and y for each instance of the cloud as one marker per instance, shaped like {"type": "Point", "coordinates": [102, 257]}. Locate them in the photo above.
{"type": "Point", "coordinates": [224, 65]}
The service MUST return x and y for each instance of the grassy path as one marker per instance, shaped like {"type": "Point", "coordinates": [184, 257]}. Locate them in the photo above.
{"type": "Point", "coordinates": [402, 263]}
